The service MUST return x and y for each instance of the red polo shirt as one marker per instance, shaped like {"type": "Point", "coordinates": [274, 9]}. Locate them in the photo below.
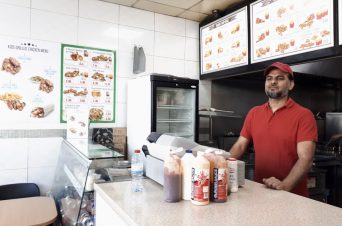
{"type": "Point", "coordinates": [275, 137]}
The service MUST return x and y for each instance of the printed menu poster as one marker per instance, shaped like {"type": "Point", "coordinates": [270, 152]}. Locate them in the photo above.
{"type": "Point", "coordinates": [29, 83]}
{"type": "Point", "coordinates": [224, 43]}
{"type": "Point", "coordinates": [88, 81]}
{"type": "Point", "coordinates": [282, 28]}
{"type": "Point", "coordinates": [77, 124]}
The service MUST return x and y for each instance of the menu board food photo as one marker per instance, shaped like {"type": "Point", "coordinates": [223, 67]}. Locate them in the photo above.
{"type": "Point", "coordinates": [88, 81]}
{"type": "Point", "coordinates": [29, 78]}
{"type": "Point", "coordinates": [282, 28]}
{"type": "Point", "coordinates": [224, 42]}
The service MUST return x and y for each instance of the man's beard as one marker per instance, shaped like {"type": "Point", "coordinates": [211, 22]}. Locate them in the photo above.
{"type": "Point", "coordinates": [277, 94]}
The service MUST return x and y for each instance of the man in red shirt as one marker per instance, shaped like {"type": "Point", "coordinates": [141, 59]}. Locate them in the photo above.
{"type": "Point", "coordinates": [283, 134]}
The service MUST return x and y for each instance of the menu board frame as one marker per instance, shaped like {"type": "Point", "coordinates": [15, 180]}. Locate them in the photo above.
{"type": "Point", "coordinates": [240, 51]}
{"type": "Point", "coordinates": [99, 77]}
{"type": "Point", "coordinates": [288, 34]}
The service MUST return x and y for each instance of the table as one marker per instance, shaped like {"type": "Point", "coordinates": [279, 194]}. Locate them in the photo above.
{"type": "Point", "coordinates": [252, 205]}
{"type": "Point", "coordinates": [33, 211]}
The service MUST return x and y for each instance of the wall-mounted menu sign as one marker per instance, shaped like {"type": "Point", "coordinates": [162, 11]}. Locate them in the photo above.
{"type": "Point", "coordinates": [29, 83]}
{"type": "Point", "coordinates": [88, 81]}
{"type": "Point", "coordinates": [224, 43]}
{"type": "Point", "coordinates": [282, 28]}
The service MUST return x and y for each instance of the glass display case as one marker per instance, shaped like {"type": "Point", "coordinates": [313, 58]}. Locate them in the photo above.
{"type": "Point", "coordinates": [80, 164]}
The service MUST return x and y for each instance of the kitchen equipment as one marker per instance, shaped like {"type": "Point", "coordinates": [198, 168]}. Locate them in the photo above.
{"type": "Point", "coordinates": [157, 148]}
{"type": "Point", "coordinates": [213, 113]}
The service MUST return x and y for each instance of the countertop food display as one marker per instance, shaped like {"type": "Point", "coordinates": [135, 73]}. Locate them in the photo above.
{"type": "Point", "coordinates": [287, 27]}
{"type": "Point", "coordinates": [253, 204]}
{"type": "Point", "coordinates": [29, 74]}
{"type": "Point", "coordinates": [88, 80]}
{"type": "Point", "coordinates": [224, 43]}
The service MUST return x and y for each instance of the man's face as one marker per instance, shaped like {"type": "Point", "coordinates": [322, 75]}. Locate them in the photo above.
{"type": "Point", "coordinates": [278, 84]}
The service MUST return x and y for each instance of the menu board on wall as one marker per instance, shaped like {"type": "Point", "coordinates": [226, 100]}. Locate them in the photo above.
{"type": "Point", "coordinates": [224, 43]}
{"type": "Point", "coordinates": [282, 28]}
{"type": "Point", "coordinates": [29, 83]}
{"type": "Point", "coordinates": [88, 82]}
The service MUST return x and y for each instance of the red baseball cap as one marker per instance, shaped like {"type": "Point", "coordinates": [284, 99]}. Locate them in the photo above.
{"type": "Point", "coordinates": [281, 66]}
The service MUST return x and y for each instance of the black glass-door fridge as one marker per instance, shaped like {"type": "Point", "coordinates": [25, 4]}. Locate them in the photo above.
{"type": "Point", "coordinates": [174, 106]}
{"type": "Point", "coordinates": [161, 103]}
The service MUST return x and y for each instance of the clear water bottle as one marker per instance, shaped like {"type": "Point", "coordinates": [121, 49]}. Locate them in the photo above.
{"type": "Point", "coordinates": [137, 171]}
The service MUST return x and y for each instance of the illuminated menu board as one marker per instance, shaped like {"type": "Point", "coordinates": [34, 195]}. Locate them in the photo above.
{"type": "Point", "coordinates": [224, 42]}
{"type": "Point", "coordinates": [282, 28]}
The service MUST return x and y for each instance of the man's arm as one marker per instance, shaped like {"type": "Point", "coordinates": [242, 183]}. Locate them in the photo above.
{"type": "Point", "coordinates": [305, 150]}
{"type": "Point", "coordinates": [239, 147]}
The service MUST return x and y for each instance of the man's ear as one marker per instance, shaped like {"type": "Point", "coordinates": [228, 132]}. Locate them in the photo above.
{"type": "Point", "coordinates": [292, 85]}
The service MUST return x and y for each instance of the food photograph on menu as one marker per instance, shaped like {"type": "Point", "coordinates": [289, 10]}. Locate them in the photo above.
{"type": "Point", "coordinates": [88, 81]}
{"type": "Point", "coordinates": [282, 28]}
{"type": "Point", "coordinates": [224, 42]}
{"type": "Point", "coordinates": [29, 76]}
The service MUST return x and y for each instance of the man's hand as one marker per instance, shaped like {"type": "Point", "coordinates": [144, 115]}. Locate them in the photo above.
{"type": "Point", "coordinates": [274, 183]}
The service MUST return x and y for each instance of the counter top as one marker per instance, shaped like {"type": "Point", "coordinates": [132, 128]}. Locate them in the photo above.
{"type": "Point", "coordinates": [253, 205]}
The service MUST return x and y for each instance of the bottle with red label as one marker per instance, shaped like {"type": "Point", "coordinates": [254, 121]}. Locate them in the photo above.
{"type": "Point", "coordinates": [210, 156]}
{"type": "Point", "coordinates": [200, 176]}
{"type": "Point", "coordinates": [220, 180]}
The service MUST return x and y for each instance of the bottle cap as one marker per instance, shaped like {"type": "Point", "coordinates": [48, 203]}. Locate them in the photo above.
{"type": "Point", "coordinates": [232, 159]}
{"type": "Point", "coordinates": [137, 151]}
{"type": "Point", "coordinates": [188, 151]}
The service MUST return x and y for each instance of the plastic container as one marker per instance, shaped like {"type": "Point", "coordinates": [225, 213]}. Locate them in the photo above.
{"type": "Point", "coordinates": [200, 177]}
{"type": "Point", "coordinates": [233, 176]}
{"type": "Point", "coordinates": [137, 171]}
{"type": "Point", "coordinates": [172, 179]}
{"type": "Point", "coordinates": [186, 166]}
{"type": "Point", "coordinates": [219, 188]}
{"type": "Point", "coordinates": [210, 156]}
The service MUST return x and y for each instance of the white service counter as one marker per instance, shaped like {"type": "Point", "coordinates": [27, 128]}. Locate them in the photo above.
{"type": "Point", "coordinates": [251, 205]}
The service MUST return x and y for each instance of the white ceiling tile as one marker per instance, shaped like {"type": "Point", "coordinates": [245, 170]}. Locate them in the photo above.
{"type": "Point", "coordinates": [121, 2]}
{"type": "Point", "coordinates": [206, 6]}
{"type": "Point", "coordinates": [193, 15]}
{"type": "Point", "coordinates": [158, 8]}
{"type": "Point", "coordinates": [178, 3]}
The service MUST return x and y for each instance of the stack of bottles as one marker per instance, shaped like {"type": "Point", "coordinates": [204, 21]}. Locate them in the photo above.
{"type": "Point", "coordinates": [207, 177]}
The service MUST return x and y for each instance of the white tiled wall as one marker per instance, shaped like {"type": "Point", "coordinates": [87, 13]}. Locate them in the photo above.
{"type": "Point", "coordinates": [170, 45]}
{"type": "Point", "coordinates": [29, 160]}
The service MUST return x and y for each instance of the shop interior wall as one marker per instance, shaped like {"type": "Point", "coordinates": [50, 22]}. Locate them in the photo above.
{"type": "Point", "coordinates": [170, 45]}
{"type": "Point", "coordinates": [240, 94]}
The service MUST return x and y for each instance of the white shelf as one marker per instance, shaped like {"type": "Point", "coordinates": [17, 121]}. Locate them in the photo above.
{"type": "Point", "coordinates": [174, 107]}
{"type": "Point", "coordinates": [174, 120]}
{"type": "Point", "coordinates": [180, 134]}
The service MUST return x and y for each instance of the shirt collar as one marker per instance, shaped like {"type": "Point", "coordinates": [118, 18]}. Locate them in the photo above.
{"type": "Point", "coordinates": [289, 103]}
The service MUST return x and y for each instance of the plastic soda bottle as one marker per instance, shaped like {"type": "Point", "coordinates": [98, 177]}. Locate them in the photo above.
{"type": "Point", "coordinates": [137, 171]}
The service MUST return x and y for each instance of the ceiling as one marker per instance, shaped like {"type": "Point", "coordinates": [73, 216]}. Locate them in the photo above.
{"type": "Point", "coordinates": [195, 10]}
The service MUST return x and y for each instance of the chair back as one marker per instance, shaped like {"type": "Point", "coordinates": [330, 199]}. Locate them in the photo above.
{"type": "Point", "coordinates": [20, 190]}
